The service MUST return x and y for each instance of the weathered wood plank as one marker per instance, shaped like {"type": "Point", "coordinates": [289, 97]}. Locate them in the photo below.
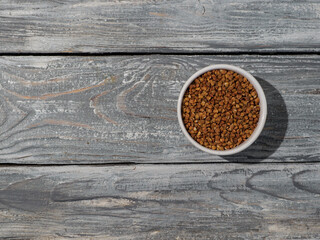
{"type": "Point", "coordinates": [123, 109]}
{"type": "Point", "coordinates": [162, 26]}
{"type": "Point", "coordinates": [219, 201]}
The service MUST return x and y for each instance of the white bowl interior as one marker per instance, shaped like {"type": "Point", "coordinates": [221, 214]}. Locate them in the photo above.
{"type": "Point", "coordinates": [262, 117]}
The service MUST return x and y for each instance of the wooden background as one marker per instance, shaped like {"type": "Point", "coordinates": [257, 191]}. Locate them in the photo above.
{"type": "Point", "coordinates": [90, 145]}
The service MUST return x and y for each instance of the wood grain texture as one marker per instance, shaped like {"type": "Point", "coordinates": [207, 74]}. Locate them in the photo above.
{"type": "Point", "coordinates": [74, 110]}
{"type": "Point", "coordinates": [219, 201]}
{"type": "Point", "coordinates": [159, 25]}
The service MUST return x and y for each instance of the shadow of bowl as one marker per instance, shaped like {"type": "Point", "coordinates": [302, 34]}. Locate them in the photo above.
{"type": "Point", "coordinates": [274, 130]}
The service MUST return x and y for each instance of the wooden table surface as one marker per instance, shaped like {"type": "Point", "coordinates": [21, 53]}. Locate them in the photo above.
{"type": "Point", "coordinates": [90, 144]}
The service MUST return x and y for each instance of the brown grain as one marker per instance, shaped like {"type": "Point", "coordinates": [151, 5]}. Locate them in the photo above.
{"type": "Point", "coordinates": [220, 109]}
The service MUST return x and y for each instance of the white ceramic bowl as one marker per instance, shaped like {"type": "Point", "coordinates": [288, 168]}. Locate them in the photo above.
{"type": "Point", "coordinates": [262, 117]}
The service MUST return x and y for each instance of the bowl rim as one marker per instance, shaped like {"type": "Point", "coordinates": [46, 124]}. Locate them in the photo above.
{"type": "Point", "coordinates": [262, 116]}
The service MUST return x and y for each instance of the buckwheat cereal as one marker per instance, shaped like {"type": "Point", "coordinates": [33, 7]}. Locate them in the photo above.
{"type": "Point", "coordinates": [220, 109]}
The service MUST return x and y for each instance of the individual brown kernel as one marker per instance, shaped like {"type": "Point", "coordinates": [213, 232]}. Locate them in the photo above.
{"type": "Point", "coordinates": [220, 109]}
{"type": "Point", "coordinates": [220, 147]}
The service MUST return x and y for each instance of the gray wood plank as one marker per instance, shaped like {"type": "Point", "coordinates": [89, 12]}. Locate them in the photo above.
{"type": "Point", "coordinates": [217, 201]}
{"type": "Point", "coordinates": [66, 110]}
{"type": "Point", "coordinates": [162, 26]}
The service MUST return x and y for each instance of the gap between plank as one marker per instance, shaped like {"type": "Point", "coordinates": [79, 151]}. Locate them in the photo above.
{"type": "Point", "coordinates": [5, 165]}
{"type": "Point", "coordinates": [79, 54]}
